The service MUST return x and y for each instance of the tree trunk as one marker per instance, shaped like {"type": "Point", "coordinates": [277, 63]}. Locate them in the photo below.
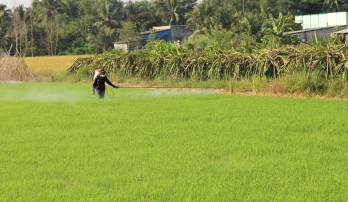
{"type": "Point", "coordinates": [16, 38]}
{"type": "Point", "coordinates": [56, 44]}
{"type": "Point", "coordinates": [32, 35]}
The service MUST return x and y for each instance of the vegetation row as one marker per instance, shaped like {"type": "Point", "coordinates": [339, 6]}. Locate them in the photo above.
{"type": "Point", "coordinates": [168, 60]}
{"type": "Point", "coordinates": [65, 27]}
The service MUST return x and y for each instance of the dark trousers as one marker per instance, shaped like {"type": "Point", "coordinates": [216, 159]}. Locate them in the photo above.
{"type": "Point", "coordinates": [100, 91]}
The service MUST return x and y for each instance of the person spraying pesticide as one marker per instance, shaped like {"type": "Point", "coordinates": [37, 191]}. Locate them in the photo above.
{"type": "Point", "coordinates": [99, 80]}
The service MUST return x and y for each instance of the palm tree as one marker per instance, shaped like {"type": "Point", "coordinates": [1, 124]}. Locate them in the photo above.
{"type": "Point", "coordinates": [32, 18]}
{"type": "Point", "coordinates": [142, 14]}
{"type": "Point", "coordinates": [294, 6]}
{"type": "Point", "coordinates": [50, 15]}
{"type": "Point", "coordinates": [336, 5]}
{"type": "Point", "coordinates": [174, 11]}
{"type": "Point", "coordinates": [204, 15]}
{"type": "Point", "coordinates": [168, 10]}
{"type": "Point", "coordinates": [19, 27]}
{"type": "Point", "coordinates": [194, 19]}
{"type": "Point", "coordinates": [108, 20]}
{"type": "Point", "coordinates": [215, 14]}
{"type": "Point", "coordinates": [70, 8]}
{"type": "Point", "coordinates": [331, 2]}
{"type": "Point", "coordinates": [186, 7]}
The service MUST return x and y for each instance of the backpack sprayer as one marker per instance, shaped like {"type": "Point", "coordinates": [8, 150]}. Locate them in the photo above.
{"type": "Point", "coordinates": [99, 72]}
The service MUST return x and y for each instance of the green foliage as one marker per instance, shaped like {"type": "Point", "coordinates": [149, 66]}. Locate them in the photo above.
{"type": "Point", "coordinates": [172, 12]}
{"type": "Point", "coordinates": [313, 85]}
{"type": "Point", "coordinates": [142, 14]}
{"type": "Point", "coordinates": [275, 41]}
{"type": "Point", "coordinates": [4, 24]}
{"type": "Point", "coordinates": [274, 31]}
{"type": "Point", "coordinates": [56, 27]}
{"type": "Point", "coordinates": [151, 40]}
{"type": "Point", "coordinates": [219, 40]}
{"type": "Point", "coordinates": [198, 40]}
{"type": "Point", "coordinates": [128, 33]}
{"type": "Point", "coordinates": [259, 83]}
{"type": "Point", "coordinates": [105, 28]}
{"type": "Point", "coordinates": [245, 43]}
{"type": "Point", "coordinates": [214, 40]}
{"type": "Point", "coordinates": [315, 65]}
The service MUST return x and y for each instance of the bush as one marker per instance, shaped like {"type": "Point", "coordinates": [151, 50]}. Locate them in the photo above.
{"type": "Point", "coordinates": [259, 83]}
{"type": "Point", "coordinates": [311, 70]}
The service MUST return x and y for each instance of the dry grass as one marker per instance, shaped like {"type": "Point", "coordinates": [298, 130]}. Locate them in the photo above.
{"type": "Point", "coordinates": [46, 67]}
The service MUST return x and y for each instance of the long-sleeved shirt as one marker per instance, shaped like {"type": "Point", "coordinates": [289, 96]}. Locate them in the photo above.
{"type": "Point", "coordinates": [99, 82]}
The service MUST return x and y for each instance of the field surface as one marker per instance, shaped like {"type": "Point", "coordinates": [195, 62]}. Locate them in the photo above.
{"type": "Point", "coordinates": [45, 67]}
{"type": "Point", "coordinates": [58, 142]}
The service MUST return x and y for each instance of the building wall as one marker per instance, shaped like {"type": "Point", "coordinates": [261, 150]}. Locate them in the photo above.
{"type": "Point", "coordinates": [322, 20]}
{"type": "Point", "coordinates": [180, 32]}
{"type": "Point", "coordinates": [122, 46]}
{"type": "Point", "coordinates": [308, 35]}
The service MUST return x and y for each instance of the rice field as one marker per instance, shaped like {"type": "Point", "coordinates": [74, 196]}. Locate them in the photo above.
{"type": "Point", "coordinates": [58, 142]}
{"type": "Point", "coordinates": [43, 67]}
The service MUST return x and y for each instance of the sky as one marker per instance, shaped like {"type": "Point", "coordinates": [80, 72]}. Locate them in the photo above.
{"type": "Point", "coordinates": [15, 3]}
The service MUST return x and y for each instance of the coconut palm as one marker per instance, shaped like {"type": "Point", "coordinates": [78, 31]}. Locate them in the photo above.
{"type": "Point", "coordinates": [70, 8]}
{"type": "Point", "coordinates": [108, 19]}
{"type": "Point", "coordinates": [31, 21]}
{"type": "Point", "coordinates": [335, 5]}
{"type": "Point", "coordinates": [222, 14]}
{"type": "Point", "coordinates": [173, 11]}
{"type": "Point", "coordinates": [19, 27]}
{"type": "Point", "coordinates": [168, 10]}
{"type": "Point", "coordinates": [331, 3]}
{"type": "Point", "coordinates": [50, 15]}
{"type": "Point", "coordinates": [142, 14]}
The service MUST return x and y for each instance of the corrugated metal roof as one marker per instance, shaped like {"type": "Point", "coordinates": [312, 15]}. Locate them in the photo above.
{"type": "Point", "coordinates": [345, 31]}
{"type": "Point", "coordinates": [159, 33]}
{"type": "Point", "coordinates": [160, 28]}
{"type": "Point", "coordinates": [308, 30]}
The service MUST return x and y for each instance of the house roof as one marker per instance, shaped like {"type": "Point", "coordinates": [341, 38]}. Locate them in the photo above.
{"type": "Point", "coordinates": [160, 28]}
{"type": "Point", "coordinates": [344, 31]}
{"type": "Point", "coordinates": [163, 28]}
{"type": "Point", "coordinates": [308, 30]}
{"type": "Point", "coordinates": [159, 34]}
{"type": "Point", "coordinates": [120, 42]}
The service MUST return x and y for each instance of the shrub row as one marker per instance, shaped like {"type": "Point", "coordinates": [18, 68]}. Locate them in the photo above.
{"type": "Point", "coordinates": [170, 61]}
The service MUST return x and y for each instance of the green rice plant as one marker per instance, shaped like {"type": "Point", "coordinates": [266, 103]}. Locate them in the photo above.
{"type": "Point", "coordinates": [58, 142]}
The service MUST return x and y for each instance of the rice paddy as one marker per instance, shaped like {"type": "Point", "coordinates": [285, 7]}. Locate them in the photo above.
{"type": "Point", "coordinates": [58, 142]}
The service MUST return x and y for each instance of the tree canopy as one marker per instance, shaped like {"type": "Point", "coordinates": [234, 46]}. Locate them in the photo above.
{"type": "Point", "coordinates": [53, 27]}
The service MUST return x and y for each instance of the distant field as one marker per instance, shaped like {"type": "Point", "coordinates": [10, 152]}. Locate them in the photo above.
{"type": "Point", "coordinates": [58, 142]}
{"type": "Point", "coordinates": [45, 66]}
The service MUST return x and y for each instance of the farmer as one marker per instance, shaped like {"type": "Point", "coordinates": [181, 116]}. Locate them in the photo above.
{"type": "Point", "coordinates": [99, 80]}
